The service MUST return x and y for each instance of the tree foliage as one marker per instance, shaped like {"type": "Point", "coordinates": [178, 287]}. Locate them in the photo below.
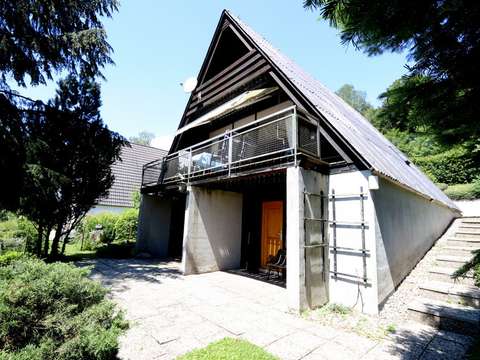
{"type": "Point", "coordinates": [38, 39]}
{"type": "Point", "coordinates": [143, 138]}
{"type": "Point", "coordinates": [442, 39]}
{"type": "Point", "coordinates": [69, 153]}
{"type": "Point", "coordinates": [355, 98]}
{"type": "Point", "coordinates": [42, 37]}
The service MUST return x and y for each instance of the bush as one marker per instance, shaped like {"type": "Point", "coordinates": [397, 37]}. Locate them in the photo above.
{"type": "Point", "coordinates": [116, 251]}
{"type": "Point", "coordinates": [442, 186]}
{"type": "Point", "coordinates": [16, 233]}
{"type": "Point", "coordinates": [53, 311]}
{"type": "Point", "coordinates": [126, 225]}
{"type": "Point", "coordinates": [9, 257]}
{"type": "Point", "coordinates": [106, 220]}
{"type": "Point", "coordinates": [464, 191]}
{"type": "Point", "coordinates": [454, 166]}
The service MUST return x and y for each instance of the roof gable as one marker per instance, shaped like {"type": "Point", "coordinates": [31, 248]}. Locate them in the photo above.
{"type": "Point", "coordinates": [383, 157]}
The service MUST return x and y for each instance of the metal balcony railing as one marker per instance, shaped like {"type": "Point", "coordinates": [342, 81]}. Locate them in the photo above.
{"type": "Point", "coordinates": [276, 138]}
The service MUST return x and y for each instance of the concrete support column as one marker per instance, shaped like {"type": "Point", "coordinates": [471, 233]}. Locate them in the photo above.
{"type": "Point", "coordinates": [154, 225]}
{"type": "Point", "coordinates": [212, 234]}
{"type": "Point", "coordinates": [296, 290]}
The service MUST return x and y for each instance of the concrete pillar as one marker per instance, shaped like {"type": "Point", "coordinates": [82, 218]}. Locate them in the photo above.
{"type": "Point", "coordinates": [296, 290]}
{"type": "Point", "coordinates": [212, 231]}
{"type": "Point", "coordinates": [307, 264]}
{"type": "Point", "coordinates": [154, 225]}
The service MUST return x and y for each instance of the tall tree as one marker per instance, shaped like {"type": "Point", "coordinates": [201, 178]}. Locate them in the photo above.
{"type": "Point", "coordinates": [69, 156]}
{"type": "Point", "coordinates": [143, 138]}
{"type": "Point", "coordinates": [442, 39]}
{"type": "Point", "coordinates": [41, 38]}
{"type": "Point", "coordinates": [355, 98]}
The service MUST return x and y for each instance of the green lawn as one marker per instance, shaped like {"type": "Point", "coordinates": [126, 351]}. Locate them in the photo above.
{"type": "Point", "coordinates": [115, 250]}
{"type": "Point", "coordinates": [229, 349]}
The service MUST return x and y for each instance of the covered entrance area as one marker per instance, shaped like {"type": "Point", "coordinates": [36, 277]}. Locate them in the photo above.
{"type": "Point", "coordinates": [237, 224]}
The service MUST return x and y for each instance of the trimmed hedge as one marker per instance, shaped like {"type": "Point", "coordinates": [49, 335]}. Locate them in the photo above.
{"type": "Point", "coordinates": [454, 166]}
{"type": "Point", "coordinates": [464, 191]}
{"type": "Point", "coordinates": [53, 311]}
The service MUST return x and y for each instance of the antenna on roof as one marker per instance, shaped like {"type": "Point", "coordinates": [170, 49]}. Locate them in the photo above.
{"type": "Point", "coordinates": [189, 84]}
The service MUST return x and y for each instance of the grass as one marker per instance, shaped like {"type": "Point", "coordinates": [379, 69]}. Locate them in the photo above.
{"type": "Point", "coordinates": [343, 317]}
{"type": "Point", "coordinates": [229, 349]}
{"type": "Point", "coordinates": [114, 250]}
{"type": "Point", "coordinates": [464, 191]}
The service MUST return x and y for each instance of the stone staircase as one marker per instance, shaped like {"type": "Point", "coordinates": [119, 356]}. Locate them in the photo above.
{"type": "Point", "coordinates": [443, 302]}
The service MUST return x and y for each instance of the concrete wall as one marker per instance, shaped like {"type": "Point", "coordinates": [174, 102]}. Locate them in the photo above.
{"type": "Point", "coordinates": [407, 226]}
{"type": "Point", "coordinates": [213, 230]}
{"type": "Point", "coordinates": [347, 290]}
{"type": "Point", "coordinates": [154, 225]}
{"type": "Point", "coordinates": [306, 266]}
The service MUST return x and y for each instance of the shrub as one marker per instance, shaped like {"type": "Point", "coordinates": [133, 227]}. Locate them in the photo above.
{"type": "Point", "coordinates": [106, 220]}
{"type": "Point", "coordinates": [442, 186]}
{"type": "Point", "coordinates": [473, 265]}
{"type": "Point", "coordinates": [126, 225]}
{"type": "Point", "coordinates": [9, 257]}
{"type": "Point", "coordinates": [53, 311]}
{"type": "Point", "coordinates": [464, 191]}
{"type": "Point", "coordinates": [454, 166]}
{"type": "Point", "coordinates": [116, 251]}
{"type": "Point", "coordinates": [16, 233]}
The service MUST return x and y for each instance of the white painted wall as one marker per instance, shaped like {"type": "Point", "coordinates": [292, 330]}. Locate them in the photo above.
{"type": "Point", "coordinates": [407, 225]}
{"type": "Point", "coordinates": [154, 225]}
{"type": "Point", "coordinates": [97, 209]}
{"type": "Point", "coordinates": [213, 230]}
{"type": "Point", "coordinates": [343, 289]}
{"type": "Point", "coordinates": [469, 207]}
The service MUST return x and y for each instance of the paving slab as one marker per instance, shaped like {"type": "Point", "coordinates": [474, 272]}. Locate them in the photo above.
{"type": "Point", "coordinates": [171, 314]}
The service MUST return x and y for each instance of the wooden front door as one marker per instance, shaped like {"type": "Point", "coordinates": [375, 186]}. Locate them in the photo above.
{"type": "Point", "coordinates": [272, 228]}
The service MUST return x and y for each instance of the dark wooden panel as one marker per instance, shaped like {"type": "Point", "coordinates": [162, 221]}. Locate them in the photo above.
{"type": "Point", "coordinates": [246, 71]}
{"type": "Point", "coordinates": [233, 85]}
{"type": "Point", "coordinates": [232, 71]}
{"type": "Point", "coordinates": [244, 58]}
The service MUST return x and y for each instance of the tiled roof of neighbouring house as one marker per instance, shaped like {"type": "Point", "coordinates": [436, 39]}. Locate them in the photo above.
{"type": "Point", "coordinates": [128, 173]}
{"type": "Point", "coordinates": [383, 157]}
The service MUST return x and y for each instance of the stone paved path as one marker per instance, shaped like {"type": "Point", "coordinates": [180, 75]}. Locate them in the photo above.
{"type": "Point", "coordinates": [172, 314]}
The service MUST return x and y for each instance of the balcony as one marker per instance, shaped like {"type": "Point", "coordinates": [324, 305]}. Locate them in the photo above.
{"type": "Point", "coordinates": [271, 142]}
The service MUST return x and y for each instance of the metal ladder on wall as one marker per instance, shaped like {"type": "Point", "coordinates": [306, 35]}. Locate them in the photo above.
{"type": "Point", "coordinates": [362, 224]}
{"type": "Point", "coordinates": [335, 223]}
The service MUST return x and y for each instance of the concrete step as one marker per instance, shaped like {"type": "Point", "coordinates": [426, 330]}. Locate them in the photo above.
{"type": "Point", "coordinates": [451, 317]}
{"type": "Point", "coordinates": [452, 261]}
{"type": "Point", "coordinates": [469, 226]}
{"type": "Point", "coordinates": [462, 241]}
{"type": "Point", "coordinates": [475, 234]}
{"type": "Point", "coordinates": [470, 220]}
{"type": "Point", "coordinates": [451, 293]}
{"type": "Point", "coordinates": [458, 250]}
{"type": "Point", "coordinates": [444, 274]}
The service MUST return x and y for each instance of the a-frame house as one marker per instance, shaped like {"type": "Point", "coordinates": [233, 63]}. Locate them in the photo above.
{"type": "Point", "coordinates": [270, 171]}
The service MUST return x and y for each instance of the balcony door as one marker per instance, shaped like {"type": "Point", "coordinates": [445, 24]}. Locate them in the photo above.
{"type": "Point", "coordinates": [272, 228]}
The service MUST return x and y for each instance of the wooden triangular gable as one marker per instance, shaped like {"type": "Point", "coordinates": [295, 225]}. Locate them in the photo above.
{"type": "Point", "coordinates": [231, 62]}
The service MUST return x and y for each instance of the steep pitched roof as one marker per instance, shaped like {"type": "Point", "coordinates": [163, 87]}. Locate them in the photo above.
{"type": "Point", "coordinates": [382, 156]}
{"type": "Point", "coordinates": [128, 173]}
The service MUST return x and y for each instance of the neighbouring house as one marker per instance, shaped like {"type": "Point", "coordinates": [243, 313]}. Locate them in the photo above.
{"type": "Point", "coordinates": [266, 158]}
{"type": "Point", "coordinates": [128, 177]}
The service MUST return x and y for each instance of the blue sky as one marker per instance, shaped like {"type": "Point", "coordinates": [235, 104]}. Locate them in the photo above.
{"type": "Point", "coordinates": [158, 44]}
